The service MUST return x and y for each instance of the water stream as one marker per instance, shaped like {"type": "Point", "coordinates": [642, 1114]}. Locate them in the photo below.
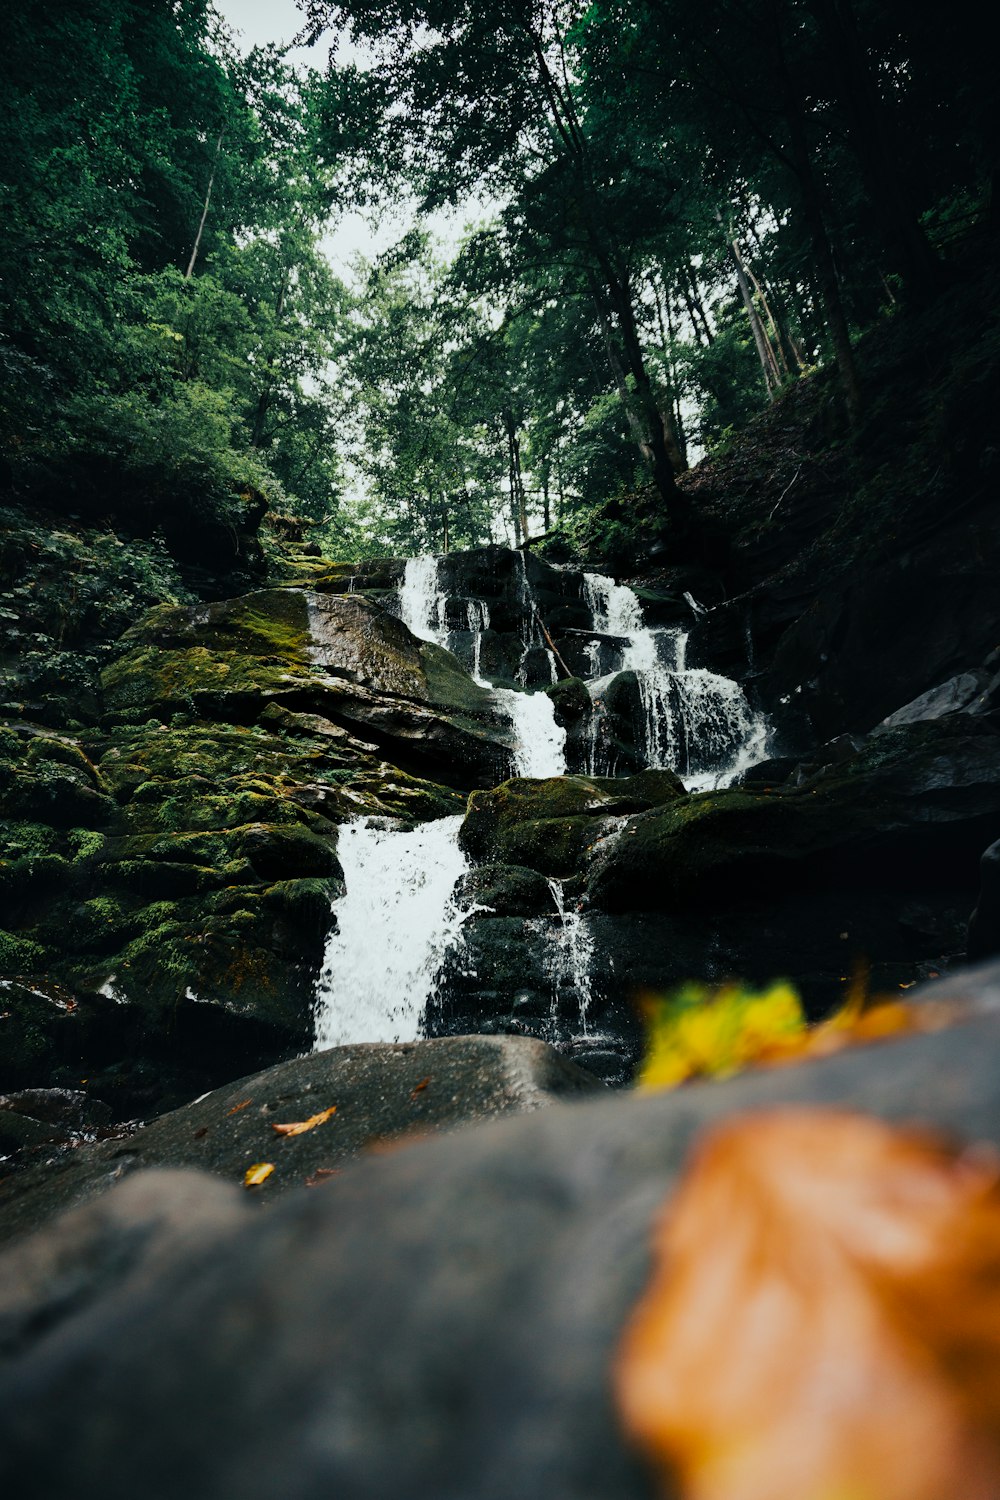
{"type": "Point", "coordinates": [399, 917]}
{"type": "Point", "coordinates": [394, 926]}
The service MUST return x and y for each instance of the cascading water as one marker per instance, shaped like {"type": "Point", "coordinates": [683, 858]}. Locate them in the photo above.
{"type": "Point", "coordinates": [539, 742]}
{"type": "Point", "coordinates": [422, 607]}
{"type": "Point", "coordinates": [394, 926]}
{"type": "Point", "coordinates": [697, 722]}
{"type": "Point", "coordinates": [571, 954]}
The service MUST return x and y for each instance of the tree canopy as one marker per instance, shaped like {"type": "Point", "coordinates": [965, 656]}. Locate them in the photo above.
{"type": "Point", "coordinates": [689, 205]}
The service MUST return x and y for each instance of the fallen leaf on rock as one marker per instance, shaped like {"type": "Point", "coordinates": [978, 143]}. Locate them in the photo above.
{"type": "Point", "coordinates": [258, 1173]}
{"type": "Point", "coordinates": [299, 1127]}
{"type": "Point", "coordinates": [321, 1175]}
{"type": "Point", "coordinates": [201, 1131]}
{"type": "Point", "coordinates": [823, 1320]}
{"type": "Point", "coordinates": [418, 1088]}
{"type": "Point", "coordinates": [243, 1104]}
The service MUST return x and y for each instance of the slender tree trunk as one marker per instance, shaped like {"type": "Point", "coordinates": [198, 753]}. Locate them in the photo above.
{"type": "Point", "coordinates": [204, 212]}
{"type": "Point", "coordinates": [517, 496]}
{"type": "Point", "coordinates": [762, 343]}
{"type": "Point", "coordinates": [672, 370]}
{"type": "Point", "coordinates": [693, 298]}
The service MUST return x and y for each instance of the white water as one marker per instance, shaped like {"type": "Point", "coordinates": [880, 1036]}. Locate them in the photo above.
{"type": "Point", "coordinates": [571, 954]}
{"type": "Point", "coordinates": [539, 742]}
{"type": "Point", "coordinates": [422, 606]}
{"type": "Point", "coordinates": [394, 926]}
{"type": "Point", "coordinates": [697, 722]}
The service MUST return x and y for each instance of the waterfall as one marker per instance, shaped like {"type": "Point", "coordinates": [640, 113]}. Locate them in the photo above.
{"type": "Point", "coordinates": [571, 956]}
{"type": "Point", "coordinates": [394, 926]}
{"type": "Point", "coordinates": [539, 742]}
{"type": "Point", "coordinates": [697, 722]}
{"type": "Point", "coordinates": [422, 607]}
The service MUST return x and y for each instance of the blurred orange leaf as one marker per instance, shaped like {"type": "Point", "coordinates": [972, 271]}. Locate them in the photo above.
{"type": "Point", "coordinates": [823, 1320]}
{"type": "Point", "coordinates": [258, 1173]}
{"type": "Point", "coordinates": [418, 1088]}
{"type": "Point", "coordinates": [237, 1107]}
{"type": "Point", "coordinates": [301, 1126]}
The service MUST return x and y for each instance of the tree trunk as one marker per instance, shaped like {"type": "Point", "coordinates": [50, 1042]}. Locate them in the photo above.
{"type": "Point", "coordinates": [768, 363]}
{"type": "Point", "coordinates": [517, 495]}
{"type": "Point", "coordinates": [204, 212]}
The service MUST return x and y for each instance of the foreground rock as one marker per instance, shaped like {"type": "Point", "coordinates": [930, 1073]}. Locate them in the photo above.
{"type": "Point", "coordinates": [383, 1094]}
{"type": "Point", "coordinates": [438, 1323]}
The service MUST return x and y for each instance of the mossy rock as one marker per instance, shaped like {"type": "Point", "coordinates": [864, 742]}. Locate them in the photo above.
{"type": "Point", "coordinates": [214, 684]}
{"type": "Point", "coordinates": [506, 891]}
{"type": "Point", "coordinates": [493, 815]}
{"type": "Point", "coordinates": [923, 799]}
{"type": "Point", "coordinates": [571, 701]}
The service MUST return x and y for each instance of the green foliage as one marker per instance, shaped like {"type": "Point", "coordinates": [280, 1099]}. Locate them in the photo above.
{"type": "Point", "coordinates": [19, 955]}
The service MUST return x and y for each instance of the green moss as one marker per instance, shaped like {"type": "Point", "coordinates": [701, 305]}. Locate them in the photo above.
{"type": "Point", "coordinates": [19, 955]}
{"type": "Point", "coordinates": [24, 838]}
{"type": "Point", "coordinates": [85, 842]}
{"type": "Point", "coordinates": [493, 815]}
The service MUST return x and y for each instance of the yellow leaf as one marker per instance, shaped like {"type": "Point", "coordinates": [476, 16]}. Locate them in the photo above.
{"type": "Point", "coordinates": [258, 1173]}
{"type": "Point", "coordinates": [301, 1126]}
{"type": "Point", "coordinates": [823, 1321]}
{"type": "Point", "coordinates": [700, 1032]}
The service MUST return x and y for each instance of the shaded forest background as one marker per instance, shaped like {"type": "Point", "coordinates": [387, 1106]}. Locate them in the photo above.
{"type": "Point", "coordinates": [694, 205]}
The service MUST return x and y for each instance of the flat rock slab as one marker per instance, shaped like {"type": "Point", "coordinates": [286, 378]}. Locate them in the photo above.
{"type": "Point", "coordinates": [437, 1324]}
{"type": "Point", "coordinates": [382, 1092]}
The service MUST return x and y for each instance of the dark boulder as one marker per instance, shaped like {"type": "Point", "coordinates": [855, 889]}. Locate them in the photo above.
{"type": "Point", "coordinates": [438, 1323]}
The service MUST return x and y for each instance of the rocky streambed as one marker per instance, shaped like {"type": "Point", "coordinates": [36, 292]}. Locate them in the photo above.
{"type": "Point", "coordinates": [171, 876]}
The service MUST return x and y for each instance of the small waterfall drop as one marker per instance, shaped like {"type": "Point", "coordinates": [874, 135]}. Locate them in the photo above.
{"type": "Point", "coordinates": [394, 926]}
{"type": "Point", "coordinates": [540, 743]}
{"type": "Point", "coordinates": [697, 722]}
{"type": "Point", "coordinates": [571, 955]}
{"type": "Point", "coordinates": [422, 607]}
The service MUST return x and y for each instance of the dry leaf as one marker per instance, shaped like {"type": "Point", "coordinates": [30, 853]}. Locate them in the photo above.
{"type": "Point", "coordinates": [301, 1126]}
{"type": "Point", "coordinates": [237, 1107]}
{"type": "Point", "coordinates": [418, 1088]}
{"type": "Point", "coordinates": [321, 1175]}
{"type": "Point", "coordinates": [258, 1173]}
{"type": "Point", "coordinates": [823, 1322]}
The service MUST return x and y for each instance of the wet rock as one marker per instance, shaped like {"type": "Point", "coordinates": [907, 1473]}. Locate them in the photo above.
{"type": "Point", "coordinates": [968, 693]}
{"type": "Point", "coordinates": [438, 1322]}
{"type": "Point", "coordinates": [385, 1094]}
{"type": "Point", "coordinates": [506, 890]}
{"type": "Point", "coordinates": [984, 925]}
{"type": "Point", "coordinates": [344, 660]}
